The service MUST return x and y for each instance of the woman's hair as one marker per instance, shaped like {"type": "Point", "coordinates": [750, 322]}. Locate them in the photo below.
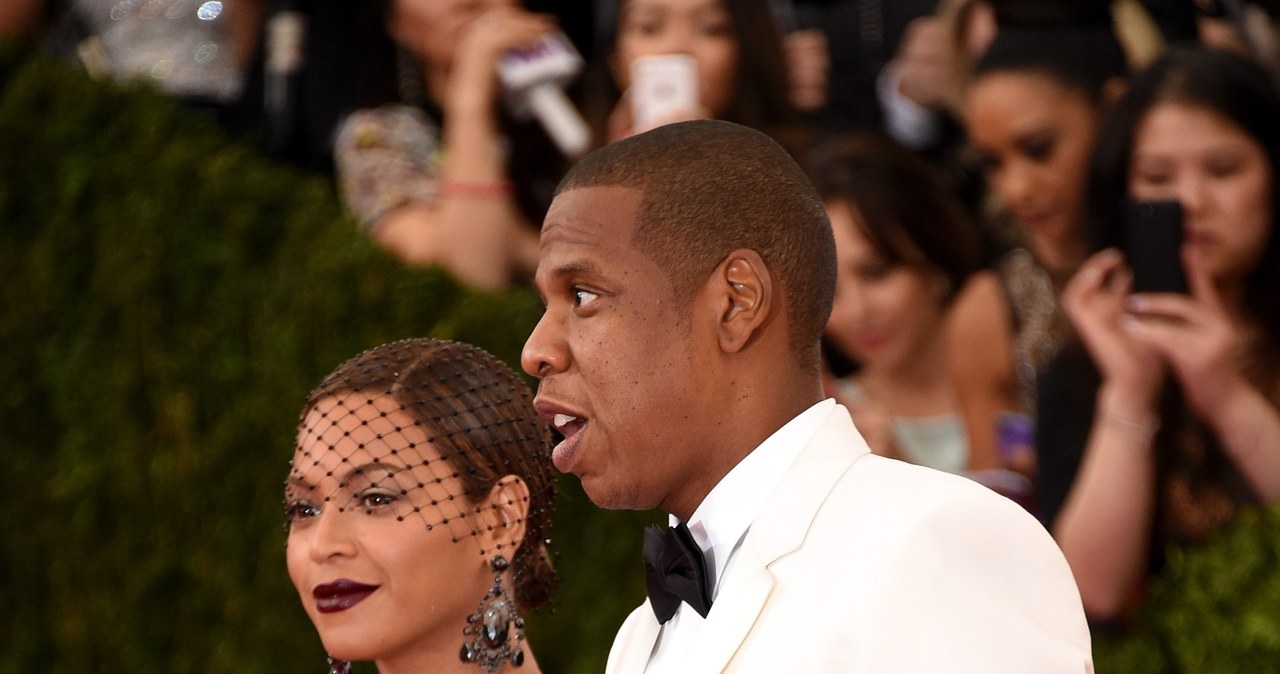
{"type": "Point", "coordinates": [1072, 42]}
{"type": "Point", "coordinates": [760, 99]}
{"type": "Point", "coordinates": [480, 415]}
{"type": "Point", "coordinates": [909, 212]}
{"type": "Point", "coordinates": [1233, 87]}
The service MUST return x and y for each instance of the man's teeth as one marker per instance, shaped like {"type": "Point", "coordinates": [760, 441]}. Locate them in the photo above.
{"type": "Point", "coordinates": [561, 420]}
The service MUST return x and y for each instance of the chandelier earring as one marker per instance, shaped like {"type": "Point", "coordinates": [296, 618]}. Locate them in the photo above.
{"type": "Point", "coordinates": [487, 638]}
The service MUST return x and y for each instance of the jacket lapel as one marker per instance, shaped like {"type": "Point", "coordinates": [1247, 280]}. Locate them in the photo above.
{"type": "Point", "coordinates": [780, 529]}
{"type": "Point", "coordinates": [634, 643]}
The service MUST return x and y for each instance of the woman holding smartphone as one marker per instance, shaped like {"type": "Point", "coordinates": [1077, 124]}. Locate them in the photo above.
{"type": "Point", "coordinates": [715, 59]}
{"type": "Point", "coordinates": [1186, 428]}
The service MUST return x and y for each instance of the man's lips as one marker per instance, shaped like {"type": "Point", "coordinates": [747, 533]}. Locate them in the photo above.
{"type": "Point", "coordinates": [340, 595]}
{"type": "Point", "coordinates": [567, 423]}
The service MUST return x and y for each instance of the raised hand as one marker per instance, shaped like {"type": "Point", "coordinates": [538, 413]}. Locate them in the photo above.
{"type": "Point", "coordinates": [1095, 300]}
{"type": "Point", "coordinates": [1195, 336]}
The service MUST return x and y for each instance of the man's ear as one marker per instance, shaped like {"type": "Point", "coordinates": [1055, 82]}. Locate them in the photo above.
{"type": "Point", "coordinates": [744, 291]}
{"type": "Point", "coordinates": [503, 516]}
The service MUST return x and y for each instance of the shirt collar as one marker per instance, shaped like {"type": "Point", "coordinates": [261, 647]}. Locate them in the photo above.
{"type": "Point", "coordinates": [724, 516]}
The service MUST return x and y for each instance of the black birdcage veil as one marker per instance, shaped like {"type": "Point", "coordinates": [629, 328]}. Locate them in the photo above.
{"type": "Point", "coordinates": [421, 431]}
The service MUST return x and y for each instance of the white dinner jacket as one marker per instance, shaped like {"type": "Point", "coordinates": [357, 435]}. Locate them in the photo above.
{"type": "Point", "coordinates": [859, 563]}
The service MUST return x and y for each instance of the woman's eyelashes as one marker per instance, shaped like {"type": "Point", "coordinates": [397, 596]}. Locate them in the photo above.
{"type": "Point", "coordinates": [297, 511]}
{"type": "Point", "coordinates": [1224, 165]}
{"type": "Point", "coordinates": [1038, 147]}
{"type": "Point", "coordinates": [379, 499]}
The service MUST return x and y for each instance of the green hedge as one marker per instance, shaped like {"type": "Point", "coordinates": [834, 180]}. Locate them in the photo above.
{"type": "Point", "coordinates": [1214, 609]}
{"type": "Point", "coordinates": [169, 299]}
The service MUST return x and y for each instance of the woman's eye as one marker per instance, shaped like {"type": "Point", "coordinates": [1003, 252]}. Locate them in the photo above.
{"type": "Point", "coordinates": [1222, 168]}
{"type": "Point", "coordinates": [716, 26]}
{"type": "Point", "coordinates": [1151, 178]}
{"type": "Point", "coordinates": [1039, 149]}
{"type": "Point", "coordinates": [988, 163]}
{"type": "Point", "coordinates": [647, 25]}
{"type": "Point", "coordinates": [297, 511]}
{"type": "Point", "coordinates": [582, 297]}
{"type": "Point", "coordinates": [374, 500]}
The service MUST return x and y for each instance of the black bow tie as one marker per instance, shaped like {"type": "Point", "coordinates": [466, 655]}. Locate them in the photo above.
{"type": "Point", "coordinates": [675, 571]}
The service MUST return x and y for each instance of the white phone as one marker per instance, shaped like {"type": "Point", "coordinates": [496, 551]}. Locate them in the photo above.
{"type": "Point", "coordinates": [662, 86]}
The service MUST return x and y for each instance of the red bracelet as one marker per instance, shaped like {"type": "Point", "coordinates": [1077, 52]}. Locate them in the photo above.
{"type": "Point", "coordinates": [474, 190]}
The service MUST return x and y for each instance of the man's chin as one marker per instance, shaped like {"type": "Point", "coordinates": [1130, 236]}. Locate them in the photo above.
{"type": "Point", "coordinates": [605, 495]}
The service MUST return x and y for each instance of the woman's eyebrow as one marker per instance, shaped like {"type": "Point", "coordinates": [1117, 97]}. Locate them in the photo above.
{"type": "Point", "coordinates": [372, 466]}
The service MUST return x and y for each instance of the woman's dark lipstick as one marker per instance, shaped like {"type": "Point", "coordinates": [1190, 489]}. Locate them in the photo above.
{"type": "Point", "coordinates": [340, 595]}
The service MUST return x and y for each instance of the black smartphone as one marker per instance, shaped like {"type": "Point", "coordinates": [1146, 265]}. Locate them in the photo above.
{"type": "Point", "coordinates": [1152, 245]}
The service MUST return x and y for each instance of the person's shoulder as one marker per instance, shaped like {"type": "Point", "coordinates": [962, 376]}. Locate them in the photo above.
{"type": "Point", "coordinates": [920, 484]}
{"type": "Point", "coordinates": [390, 124]}
{"type": "Point", "coordinates": [980, 307]}
{"type": "Point", "coordinates": [890, 499]}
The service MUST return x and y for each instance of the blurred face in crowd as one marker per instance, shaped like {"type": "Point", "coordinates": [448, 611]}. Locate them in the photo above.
{"type": "Point", "coordinates": [702, 29]}
{"type": "Point", "coordinates": [885, 313]}
{"type": "Point", "coordinates": [379, 547]}
{"type": "Point", "coordinates": [1035, 137]}
{"type": "Point", "coordinates": [1219, 174]}
{"type": "Point", "coordinates": [431, 29]}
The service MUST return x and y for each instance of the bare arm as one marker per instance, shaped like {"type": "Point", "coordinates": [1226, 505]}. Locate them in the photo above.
{"type": "Point", "coordinates": [1196, 336]}
{"type": "Point", "coordinates": [979, 345]}
{"type": "Point", "coordinates": [475, 227]}
{"type": "Point", "coordinates": [1105, 523]}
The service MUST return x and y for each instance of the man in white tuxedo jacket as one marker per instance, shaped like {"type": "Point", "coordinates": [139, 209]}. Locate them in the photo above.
{"type": "Point", "coordinates": [687, 274]}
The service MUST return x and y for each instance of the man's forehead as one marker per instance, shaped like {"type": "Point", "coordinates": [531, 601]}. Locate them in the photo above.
{"type": "Point", "coordinates": [587, 211]}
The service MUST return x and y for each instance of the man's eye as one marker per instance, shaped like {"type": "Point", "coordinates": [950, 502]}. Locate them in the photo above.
{"type": "Point", "coordinates": [583, 297]}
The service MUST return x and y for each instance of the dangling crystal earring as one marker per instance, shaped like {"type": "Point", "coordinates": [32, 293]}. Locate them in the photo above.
{"type": "Point", "coordinates": [486, 638]}
{"type": "Point", "coordinates": [337, 666]}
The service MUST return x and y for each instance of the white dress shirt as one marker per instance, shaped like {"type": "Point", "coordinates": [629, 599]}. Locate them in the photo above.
{"type": "Point", "coordinates": [722, 520]}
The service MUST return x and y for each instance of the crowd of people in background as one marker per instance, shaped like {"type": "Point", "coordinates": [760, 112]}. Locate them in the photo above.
{"type": "Point", "coordinates": [980, 161]}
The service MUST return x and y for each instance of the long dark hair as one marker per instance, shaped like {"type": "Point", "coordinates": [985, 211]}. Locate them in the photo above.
{"type": "Point", "coordinates": [909, 212]}
{"type": "Point", "coordinates": [1072, 42]}
{"type": "Point", "coordinates": [1231, 86]}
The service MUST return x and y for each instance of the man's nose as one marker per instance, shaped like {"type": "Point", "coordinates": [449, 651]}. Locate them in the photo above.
{"type": "Point", "coordinates": [544, 352]}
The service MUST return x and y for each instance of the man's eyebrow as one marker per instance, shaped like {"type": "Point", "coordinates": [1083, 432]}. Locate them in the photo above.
{"type": "Point", "coordinates": [575, 267]}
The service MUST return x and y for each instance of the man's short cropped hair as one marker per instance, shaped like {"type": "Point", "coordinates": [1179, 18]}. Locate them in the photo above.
{"type": "Point", "coordinates": [709, 187]}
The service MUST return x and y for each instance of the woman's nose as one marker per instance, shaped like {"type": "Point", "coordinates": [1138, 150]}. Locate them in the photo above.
{"type": "Point", "coordinates": [331, 536]}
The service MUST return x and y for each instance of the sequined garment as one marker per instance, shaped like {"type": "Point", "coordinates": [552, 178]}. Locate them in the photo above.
{"type": "Point", "coordinates": [182, 46]}
{"type": "Point", "coordinates": [1039, 325]}
{"type": "Point", "coordinates": [387, 157]}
